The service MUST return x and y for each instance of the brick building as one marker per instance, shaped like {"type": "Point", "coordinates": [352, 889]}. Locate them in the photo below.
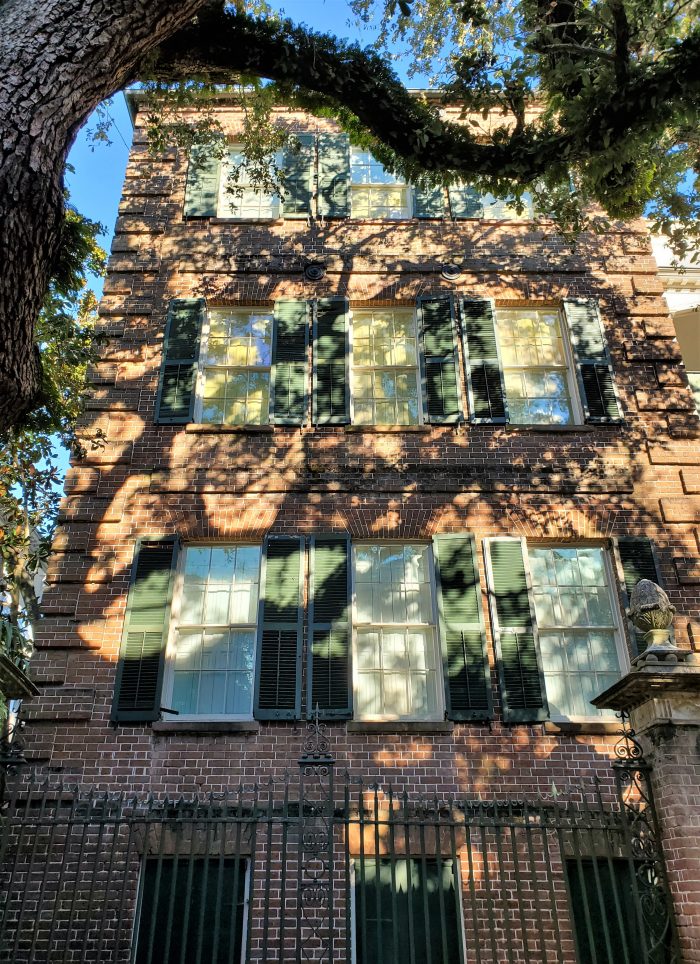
{"type": "Point", "coordinates": [397, 456]}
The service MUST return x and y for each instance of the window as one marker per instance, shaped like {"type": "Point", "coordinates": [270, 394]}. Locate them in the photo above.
{"type": "Point", "coordinates": [406, 909]}
{"type": "Point", "coordinates": [235, 367]}
{"type": "Point", "coordinates": [580, 640]}
{"type": "Point", "coordinates": [375, 193]}
{"type": "Point", "coordinates": [397, 670]}
{"type": "Point", "coordinates": [191, 908]}
{"type": "Point", "coordinates": [536, 367]}
{"type": "Point", "coordinates": [385, 367]}
{"type": "Point", "coordinates": [239, 198]}
{"type": "Point", "coordinates": [213, 650]}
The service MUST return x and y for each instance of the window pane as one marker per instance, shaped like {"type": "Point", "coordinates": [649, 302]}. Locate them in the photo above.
{"type": "Point", "coordinates": [385, 367]}
{"type": "Point", "coordinates": [237, 391]}
{"type": "Point", "coordinates": [238, 198]}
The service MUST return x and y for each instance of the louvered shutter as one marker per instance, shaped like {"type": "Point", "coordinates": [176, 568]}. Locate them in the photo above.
{"type": "Point", "coordinates": [289, 349]}
{"type": "Point", "coordinates": [280, 630]}
{"type": "Point", "coordinates": [465, 201]}
{"type": "Point", "coordinates": [522, 682]}
{"type": "Point", "coordinates": [466, 667]}
{"type": "Point", "coordinates": [142, 654]}
{"type": "Point", "coordinates": [178, 371]}
{"type": "Point", "coordinates": [429, 202]}
{"type": "Point", "coordinates": [441, 389]}
{"type": "Point", "coordinates": [485, 383]}
{"type": "Point", "coordinates": [334, 175]}
{"type": "Point", "coordinates": [299, 162]}
{"type": "Point", "coordinates": [637, 558]}
{"type": "Point", "coordinates": [202, 187]}
{"type": "Point", "coordinates": [329, 665]}
{"type": "Point", "coordinates": [331, 398]}
{"type": "Point", "coordinates": [593, 365]}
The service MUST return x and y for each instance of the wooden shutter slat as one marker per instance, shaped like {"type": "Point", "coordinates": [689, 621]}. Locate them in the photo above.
{"type": "Point", "coordinates": [329, 657]}
{"type": "Point", "coordinates": [202, 187]}
{"type": "Point", "coordinates": [331, 397]}
{"type": "Point", "coordinates": [178, 371]}
{"type": "Point", "coordinates": [521, 678]}
{"type": "Point", "coordinates": [465, 202]}
{"type": "Point", "coordinates": [466, 668]}
{"type": "Point", "coordinates": [482, 359]}
{"type": "Point", "coordinates": [440, 383]}
{"type": "Point", "coordinates": [334, 175]}
{"type": "Point", "coordinates": [638, 560]}
{"type": "Point", "coordinates": [142, 655]}
{"type": "Point", "coordinates": [594, 369]}
{"type": "Point", "coordinates": [280, 630]}
{"type": "Point", "coordinates": [429, 202]}
{"type": "Point", "coordinates": [299, 163]}
{"type": "Point", "coordinates": [290, 343]}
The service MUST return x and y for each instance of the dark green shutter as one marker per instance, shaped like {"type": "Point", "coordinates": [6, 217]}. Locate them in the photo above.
{"type": "Point", "coordinates": [638, 561]}
{"type": "Point", "coordinates": [485, 383]}
{"type": "Point", "coordinates": [289, 363]}
{"type": "Point", "coordinates": [331, 399]}
{"type": "Point", "coordinates": [299, 177]}
{"type": "Point", "coordinates": [466, 666]}
{"type": "Point", "coordinates": [594, 369]}
{"type": "Point", "coordinates": [429, 202]}
{"type": "Point", "coordinates": [465, 201]}
{"type": "Point", "coordinates": [522, 683]}
{"type": "Point", "coordinates": [178, 372]}
{"type": "Point", "coordinates": [441, 388]}
{"type": "Point", "coordinates": [202, 188]}
{"type": "Point", "coordinates": [142, 654]}
{"type": "Point", "coordinates": [333, 175]}
{"type": "Point", "coordinates": [280, 630]}
{"type": "Point", "coordinates": [329, 665]}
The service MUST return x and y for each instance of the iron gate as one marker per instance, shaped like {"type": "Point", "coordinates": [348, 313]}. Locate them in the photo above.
{"type": "Point", "coordinates": [303, 869]}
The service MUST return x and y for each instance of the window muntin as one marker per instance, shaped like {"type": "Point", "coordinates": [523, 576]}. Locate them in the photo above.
{"type": "Point", "coordinates": [240, 199]}
{"type": "Point", "coordinates": [536, 367]}
{"type": "Point", "coordinates": [235, 377]}
{"type": "Point", "coordinates": [375, 193]}
{"type": "Point", "coordinates": [578, 628]}
{"type": "Point", "coordinates": [385, 367]}
{"type": "Point", "coordinates": [397, 672]}
{"type": "Point", "coordinates": [213, 649]}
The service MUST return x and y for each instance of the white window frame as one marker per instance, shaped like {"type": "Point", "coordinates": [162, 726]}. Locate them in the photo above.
{"type": "Point", "coordinates": [174, 627]}
{"type": "Point", "coordinates": [439, 714]}
{"type": "Point", "coordinates": [617, 629]}
{"type": "Point", "coordinates": [577, 415]}
{"type": "Point", "coordinates": [203, 366]}
{"type": "Point", "coordinates": [224, 201]}
{"type": "Point", "coordinates": [379, 368]}
{"type": "Point", "coordinates": [378, 185]}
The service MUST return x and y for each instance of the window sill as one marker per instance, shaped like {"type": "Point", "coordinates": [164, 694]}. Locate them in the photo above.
{"type": "Point", "coordinates": [389, 429]}
{"type": "Point", "coordinates": [590, 727]}
{"type": "Point", "coordinates": [400, 727]}
{"type": "Point", "coordinates": [215, 220]}
{"type": "Point", "coordinates": [551, 429]}
{"type": "Point", "coordinates": [202, 428]}
{"type": "Point", "coordinates": [206, 726]}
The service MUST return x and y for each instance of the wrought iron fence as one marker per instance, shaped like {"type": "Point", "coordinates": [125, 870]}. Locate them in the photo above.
{"type": "Point", "coordinates": [306, 869]}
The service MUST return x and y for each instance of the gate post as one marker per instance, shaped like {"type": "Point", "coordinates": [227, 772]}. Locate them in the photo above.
{"type": "Point", "coordinates": [315, 872]}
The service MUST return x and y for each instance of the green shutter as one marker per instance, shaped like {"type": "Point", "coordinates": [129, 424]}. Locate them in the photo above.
{"type": "Point", "coordinates": [465, 201]}
{"type": "Point", "coordinates": [142, 654]}
{"type": "Point", "coordinates": [522, 683]}
{"type": "Point", "coordinates": [429, 202]}
{"type": "Point", "coordinates": [331, 401]}
{"type": "Point", "coordinates": [289, 349]}
{"type": "Point", "coordinates": [441, 388]}
{"type": "Point", "coordinates": [202, 188]}
{"type": "Point", "coordinates": [638, 561]}
{"type": "Point", "coordinates": [329, 665]}
{"type": "Point", "coordinates": [299, 163]}
{"type": "Point", "coordinates": [280, 630]}
{"type": "Point", "coordinates": [178, 371]}
{"type": "Point", "coordinates": [333, 175]}
{"type": "Point", "coordinates": [593, 365]}
{"type": "Point", "coordinates": [466, 666]}
{"type": "Point", "coordinates": [485, 384]}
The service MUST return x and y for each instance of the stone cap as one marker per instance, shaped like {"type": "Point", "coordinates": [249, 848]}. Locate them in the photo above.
{"type": "Point", "coordinates": [678, 673]}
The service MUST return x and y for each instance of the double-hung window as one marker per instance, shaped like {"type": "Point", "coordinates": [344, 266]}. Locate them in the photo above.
{"type": "Point", "coordinates": [397, 665]}
{"type": "Point", "coordinates": [235, 367]}
{"type": "Point", "coordinates": [375, 193]}
{"type": "Point", "coordinates": [385, 367]}
{"type": "Point", "coordinates": [212, 647]}
{"type": "Point", "coordinates": [239, 197]}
